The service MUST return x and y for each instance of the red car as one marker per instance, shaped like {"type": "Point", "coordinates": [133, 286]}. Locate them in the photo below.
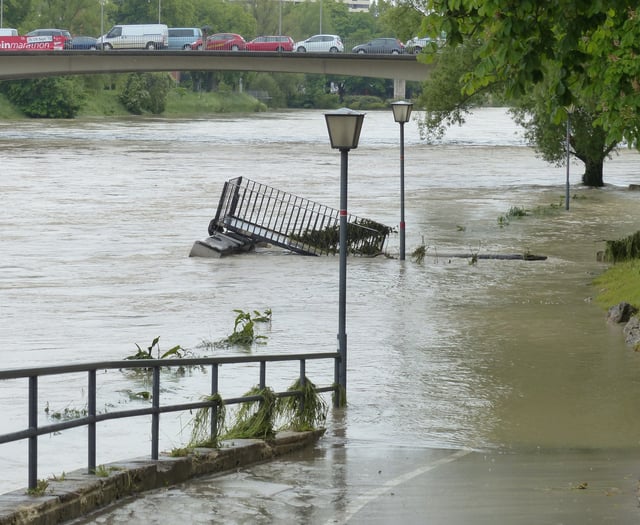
{"type": "Point", "coordinates": [271, 43]}
{"type": "Point", "coordinates": [222, 42]}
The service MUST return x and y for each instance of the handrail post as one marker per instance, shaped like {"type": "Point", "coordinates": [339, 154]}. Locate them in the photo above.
{"type": "Point", "coordinates": [91, 427]}
{"type": "Point", "coordinates": [33, 427]}
{"type": "Point", "coordinates": [263, 375]}
{"type": "Point", "coordinates": [155, 416]}
{"type": "Point", "coordinates": [214, 406]}
{"type": "Point", "coordinates": [303, 378]}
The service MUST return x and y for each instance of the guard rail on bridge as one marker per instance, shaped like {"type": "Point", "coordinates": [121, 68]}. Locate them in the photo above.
{"type": "Point", "coordinates": [263, 213]}
{"type": "Point", "coordinates": [154, 366]}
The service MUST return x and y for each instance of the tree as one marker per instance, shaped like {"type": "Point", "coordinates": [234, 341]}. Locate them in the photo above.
{"type": "Point", "coordinates": [54, 97]}
{"type": "Point", "coordinates": [592, 44]}
{"type": "Point", "coordinates": [446, 104]}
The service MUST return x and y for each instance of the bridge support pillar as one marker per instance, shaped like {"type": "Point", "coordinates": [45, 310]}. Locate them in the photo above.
{"type": "Point", "coordinates": [399, 89]}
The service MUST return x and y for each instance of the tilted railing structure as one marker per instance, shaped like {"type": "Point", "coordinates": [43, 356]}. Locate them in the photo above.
{"type": "Point", "coordinates": [265, 214]}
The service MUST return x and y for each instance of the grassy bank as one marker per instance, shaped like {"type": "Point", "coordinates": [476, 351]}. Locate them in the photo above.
{"type": "Point", "coordinates": [619, 283]}
{"type": "Point", "coordinates": [180, 103]}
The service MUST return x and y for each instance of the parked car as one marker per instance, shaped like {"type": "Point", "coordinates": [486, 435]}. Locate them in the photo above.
{"type": "Point", "coordinates": [68, 40]}
{"type": "Point", "coordinates": [387, 46]}
{"type": "Point", "coordinates": [222, 42]}
{"type": "Point", "coordinates": [415, 45]}
{"type": "Point", "coordinates": [84, 42]}
{"type": "Point", "coordinates": [183, 37]}
{"type": "Point", "coordinates": [320, 44]}
{"type": "Point", "coordinates": [270, 43]}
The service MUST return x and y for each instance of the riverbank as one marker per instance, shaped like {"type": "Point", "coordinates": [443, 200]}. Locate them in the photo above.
{"type": "Point", "coordinates": [180, 103]}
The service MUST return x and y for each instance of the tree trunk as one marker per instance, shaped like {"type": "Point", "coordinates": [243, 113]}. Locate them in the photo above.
{"type": "Point", "coordinates": [593, 173]}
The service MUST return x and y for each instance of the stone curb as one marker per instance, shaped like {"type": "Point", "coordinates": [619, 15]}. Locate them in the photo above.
{"type": "Point", "coordinates": [80, 493]}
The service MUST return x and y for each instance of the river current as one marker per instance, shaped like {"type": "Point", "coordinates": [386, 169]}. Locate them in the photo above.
{"type": "Point", "coordinates": [98, 218]}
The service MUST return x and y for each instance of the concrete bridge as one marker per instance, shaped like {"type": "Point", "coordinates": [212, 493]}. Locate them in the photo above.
{"type": "Point", "coordinates": [33, 64]}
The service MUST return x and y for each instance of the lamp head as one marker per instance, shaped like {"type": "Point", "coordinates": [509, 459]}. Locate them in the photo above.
{"type": "Point", "coordinates": [401, 111]}
{"type": "Point", "coordinates": [344, 126]}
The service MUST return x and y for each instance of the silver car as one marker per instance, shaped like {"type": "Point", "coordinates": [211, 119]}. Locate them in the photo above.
{"type": "Point", "coordinates": [320, 44]}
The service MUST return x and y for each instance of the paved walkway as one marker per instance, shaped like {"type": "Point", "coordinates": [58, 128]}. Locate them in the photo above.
{"type": "Point", "coordinates": [346, 482]}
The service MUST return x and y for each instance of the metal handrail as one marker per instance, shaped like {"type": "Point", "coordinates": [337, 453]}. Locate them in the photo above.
{"type": "Point", "coordinates": [154, 365]}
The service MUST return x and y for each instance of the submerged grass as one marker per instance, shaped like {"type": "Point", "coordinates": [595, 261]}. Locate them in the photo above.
{"type": "Point", "coordinates": [619, 283]}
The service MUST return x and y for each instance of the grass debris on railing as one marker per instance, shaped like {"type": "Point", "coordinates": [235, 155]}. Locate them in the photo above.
{"type": "Point", "coordinates": [201, 424]}
{"type": "Point", "coordinates": [364, 237]}
{"type": "Point", "coordinates": [307, 411]}
{"type": "Point", "coordinates": [255, 419]}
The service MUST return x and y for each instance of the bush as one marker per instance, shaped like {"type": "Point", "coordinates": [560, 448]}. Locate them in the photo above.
{"type": "Point", "coordinates": [146, 92]}
{"type": "Point", "coordinates": [54, 97]}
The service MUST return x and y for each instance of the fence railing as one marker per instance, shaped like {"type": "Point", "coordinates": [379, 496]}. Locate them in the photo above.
{"type": "Point", "coordinates": [154, 366]}
{"type": "Point", "coordinates": [264, 213]}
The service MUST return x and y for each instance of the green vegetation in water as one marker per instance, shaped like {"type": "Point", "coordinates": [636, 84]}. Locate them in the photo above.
{"type": "Point", "coordinates": [65, 414]}
{"type": "Point", "coordinates": [623, 249]}
{"type": "Point", "coordinates": [255, 419]}
{"type": "Point", "coordinates": [244, 333]}
{"type": "Point", "coordinates": [177, 351]}
{"type": "Point", "coordinates": [513, 213]}
{"type": "Point", "coordinates": [40, 489]}
{"type": "Point", "coordinates": [201, 431]}
{"type": "Point", "coordinates": [419, 253]}
{"type": "Point", "coordinates": [620, 283]}
{"type": "Point", "coordinates": [306, 411]}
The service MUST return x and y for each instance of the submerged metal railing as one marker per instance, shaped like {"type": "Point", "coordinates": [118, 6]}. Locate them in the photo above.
{"type": "Point", "coordinates": [266, 214]}
{"type": "Point", "coordinates": [33, 431]}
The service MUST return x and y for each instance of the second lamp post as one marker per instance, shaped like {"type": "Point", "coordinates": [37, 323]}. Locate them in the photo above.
{"type": "Point", "coordinates": [401, 114]}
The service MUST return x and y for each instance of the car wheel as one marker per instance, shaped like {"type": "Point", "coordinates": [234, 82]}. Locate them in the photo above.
{"type": "Point", "coordinates": [361, 51]}
{"type": "Point", "coordinates": [150, 46]}
{"type": "Point", "coordinates": [301, 49]}
{"type": "Point", "coordinates": [333, 50]}
{"type": "Point", "coordinates": [235, 47]}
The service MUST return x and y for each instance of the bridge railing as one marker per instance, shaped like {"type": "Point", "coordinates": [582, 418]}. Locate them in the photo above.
{"type": "Point", "coordinates": [267, 214]}
{"type": "Point", "coordinates": [154, 367]}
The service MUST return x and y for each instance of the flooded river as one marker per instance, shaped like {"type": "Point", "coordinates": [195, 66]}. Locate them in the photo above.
{"type": "Point", "coordinates": [98, 218]}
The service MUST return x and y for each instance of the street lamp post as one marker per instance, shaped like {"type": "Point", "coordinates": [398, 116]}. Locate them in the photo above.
{"type": "Point", "coordinates": [344, 127]}
{"type": "Point", "coordinates": [401, 114]}
{"type": "Point", "coordinates": [101, 19]}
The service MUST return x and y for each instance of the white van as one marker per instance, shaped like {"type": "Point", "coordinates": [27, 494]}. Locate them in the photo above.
{"type": "Point", "coordinates": [139, 36]}
{"type": "Point", "coordinates": [8, 31]}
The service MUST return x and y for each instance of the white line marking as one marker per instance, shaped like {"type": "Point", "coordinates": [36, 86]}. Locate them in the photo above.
{"type": "Point", "coordinates": [363, 500]}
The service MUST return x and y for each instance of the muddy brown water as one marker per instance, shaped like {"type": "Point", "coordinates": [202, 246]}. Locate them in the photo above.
{"type": "Point", "coordinates": [98, 218]}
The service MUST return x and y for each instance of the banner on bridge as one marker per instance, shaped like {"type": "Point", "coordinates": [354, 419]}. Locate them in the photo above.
{"type": "Point", "coordinates": [31, 43]}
